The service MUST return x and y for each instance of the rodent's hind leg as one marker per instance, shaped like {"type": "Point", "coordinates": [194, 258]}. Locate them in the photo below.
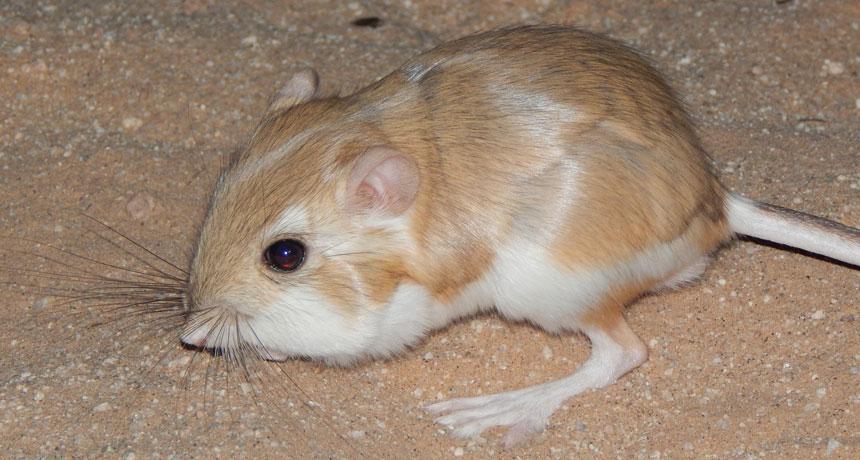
{"type": "Point", "coordinates": [615, 350]}
{"type": "Point", "coordinates": [686, 276]}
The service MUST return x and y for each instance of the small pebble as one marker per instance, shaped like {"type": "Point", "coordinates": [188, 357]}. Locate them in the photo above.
{"type": "Point", "coordinates": [357, 434]}
{"type": "Point", "coordinates": [131, 123]}
{"type": "Point", "coordinates": [833, 67]}
{"type": "Point", "coordinates": [458, 452]}
{"type": "Point", "coordinates": [140, 207]}
{"type": "Point", "coordinates": [547, 353]}
{"type": "Point", "coordinates": [102, 407]}
{"type": "Point", "coordinates": [819, 314]}
{"type": "Point", "coordinates": [832, 445]}
{"type": "Point", "coordinates": [40, 303]}
{"type": "Point", "coordinates": [427, 356]}
{"type": "Point", "coordinates": [180, 361]}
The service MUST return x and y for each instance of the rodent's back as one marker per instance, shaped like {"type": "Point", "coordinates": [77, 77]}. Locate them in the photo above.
{"type": "Point", "coordinates": [499, 121]}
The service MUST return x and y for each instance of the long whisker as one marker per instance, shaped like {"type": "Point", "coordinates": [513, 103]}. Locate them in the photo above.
{"type": "Point", "coordinates": [135, 256]}
{"type": "Point", "coordinates": [163, 352]}
{"type": "Point", "coordinates": [259, 350]}
{"type": "Point", "coordinates": [305, 396]}
{"type": "Point", "coordinates": [62, 276]}
{"type": "Point", "coordinates": [99, 276]}
{"type": "Point", "coordinates": [142, 295]}
{"type": "Point", "coordinates": [80, 257]}
{"type": "Point", "coordinates": [122, 235]}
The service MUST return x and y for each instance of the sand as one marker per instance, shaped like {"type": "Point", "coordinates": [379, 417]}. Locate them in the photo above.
{"type": "Point", "coordinates": [127, 112]}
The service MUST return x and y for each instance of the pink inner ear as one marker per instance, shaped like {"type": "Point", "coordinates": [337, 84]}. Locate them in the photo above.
{"type": "Point", "coordinates": [383, 179]}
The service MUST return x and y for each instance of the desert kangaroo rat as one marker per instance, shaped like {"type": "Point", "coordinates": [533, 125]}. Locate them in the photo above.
{"type": "Point", "coordinates": [545, 172]}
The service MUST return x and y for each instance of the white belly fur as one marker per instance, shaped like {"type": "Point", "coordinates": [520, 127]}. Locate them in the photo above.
{"type": "Point", "coordinates": [525, 283]}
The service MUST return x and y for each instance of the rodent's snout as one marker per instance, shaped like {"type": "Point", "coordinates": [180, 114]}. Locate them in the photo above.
{"type": "Point", "coordinates": [193, 339]}
{"type": "Point", "coordinates": [198, 325]}
{"type": "Point", "coordinates": [199, 343]}
{"type": "Point", "coordinates": [188, 337]}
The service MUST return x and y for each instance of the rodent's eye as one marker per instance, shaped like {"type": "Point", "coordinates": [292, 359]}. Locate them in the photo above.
{"type": "Point", "coordinates": [285, 255]}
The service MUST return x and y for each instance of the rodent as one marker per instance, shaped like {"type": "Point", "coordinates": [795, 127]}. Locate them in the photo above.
{"type": "Point", "coordinates": [545, 172]}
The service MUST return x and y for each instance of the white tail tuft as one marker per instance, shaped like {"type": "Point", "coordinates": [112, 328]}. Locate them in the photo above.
{"type": "Point", "coordinates": [794, 228]}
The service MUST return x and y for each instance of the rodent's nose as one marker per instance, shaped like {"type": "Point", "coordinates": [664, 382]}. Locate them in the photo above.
{"type": "Point", "coordinates": [192, 344]}
{"type": "Point", "coordinates": [192, 341]}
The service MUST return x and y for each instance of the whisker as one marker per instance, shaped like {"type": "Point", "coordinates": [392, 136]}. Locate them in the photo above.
{"type": "Point", "coordinates": [131, 321]}
{"type": "Point", "coordinates": [122, 235]}
{"type": "Point", "coordinates": [163, 352]}
{"type": "Point", "coordinates": [136, 309]}
{"type": "Point", "coordinates": [185, 379]}
{"type": "Point", "coordinates": [61, 276]}
{"type": "Point", "coordinates": [80, 257]}
{"type": "Point", "coordinates": [141, 297]}
{"type": "Point", "coordinates": [356, 253]}
{"type": "Point", "coordinates": [118, 298]}
{"type": "Point", "coordinates": [157, 270]}
{"type": "Point", "coordinates": [259, 350]}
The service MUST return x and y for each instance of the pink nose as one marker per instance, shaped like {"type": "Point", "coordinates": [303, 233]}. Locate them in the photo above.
{"type": "Point", "coordinates": [194, 342]}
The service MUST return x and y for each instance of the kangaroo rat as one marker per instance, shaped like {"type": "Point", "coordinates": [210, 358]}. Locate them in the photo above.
{"type": "Point", "coordinates": [544, 172]}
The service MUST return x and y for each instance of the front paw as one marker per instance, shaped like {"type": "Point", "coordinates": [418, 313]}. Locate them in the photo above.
{"type": "Point", "coordinates": [523, 412]}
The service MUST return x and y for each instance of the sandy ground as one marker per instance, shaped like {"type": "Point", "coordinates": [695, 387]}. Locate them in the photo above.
{"type": "Point", "coordinates": [126, 110]}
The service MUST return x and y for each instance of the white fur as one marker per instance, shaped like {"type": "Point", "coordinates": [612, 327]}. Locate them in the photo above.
{"type": "Point", "coordinates": [302, 324]}
{"type": "Point", "coordinates": [416, 71]}
{"type": "Point", "coordinates": [251, 169]}
{"type": "Point", "coordinates": [528, 410]}
{"type": "Point", "coordinates": [745, 218]}
{"type": "Point", "coordinates": [686, 275]}
{"type": "Point", "coordinates": [403, 322]}
{"type": "Point", "coordinates": [526, 284]}
{"type": "Point", "coordinates": [298, 321]}
{"type": "Point", "coordinates": [294, 220]}
{"type": "Point", "coordinates": [298, 324]}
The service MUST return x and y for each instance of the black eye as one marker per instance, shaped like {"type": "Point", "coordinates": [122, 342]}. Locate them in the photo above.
{"type": "Point", "coordinates": [285, 255]}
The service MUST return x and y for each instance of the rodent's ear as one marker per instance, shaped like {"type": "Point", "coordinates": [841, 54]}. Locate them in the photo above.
{"type": "Point", "coordinates": [302, 87]}
{"type": "Point", "coordinates": [383, 179]}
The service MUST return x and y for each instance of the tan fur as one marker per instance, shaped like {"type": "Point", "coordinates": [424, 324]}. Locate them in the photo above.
{"type": "Point", "coordinates": [412, 194]}
{"type": "Point", "coordinates": [609, 318]}
{"type": "Point", "coordinates": [490, 120]}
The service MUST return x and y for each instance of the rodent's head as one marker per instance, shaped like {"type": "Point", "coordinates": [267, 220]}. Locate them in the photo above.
{"type": "Point", "coordinates": [303, 246]}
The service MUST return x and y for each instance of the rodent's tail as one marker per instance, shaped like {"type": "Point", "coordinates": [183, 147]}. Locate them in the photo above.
{"type": "Point", "coordinates": [794, 228]}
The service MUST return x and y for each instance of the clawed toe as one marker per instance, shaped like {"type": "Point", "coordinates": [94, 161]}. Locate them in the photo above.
{"type": "Point", "coordinates": [523, 413]}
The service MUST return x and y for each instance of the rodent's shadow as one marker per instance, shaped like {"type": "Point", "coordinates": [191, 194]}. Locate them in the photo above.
{"type": "Point", "coordinates": [783, 247]}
